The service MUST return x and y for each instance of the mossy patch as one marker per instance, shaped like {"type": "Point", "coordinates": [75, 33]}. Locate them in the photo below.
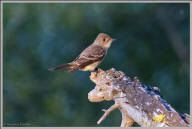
{"type": "Point", "coordinates": [159, 118]}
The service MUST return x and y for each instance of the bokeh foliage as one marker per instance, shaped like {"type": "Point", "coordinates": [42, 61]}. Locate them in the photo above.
{"type": "Point", "coordinates": [37, 36]}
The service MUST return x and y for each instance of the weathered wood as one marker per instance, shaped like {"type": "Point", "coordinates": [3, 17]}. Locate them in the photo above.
{"type": "Point", "coordinates": [137, 102]}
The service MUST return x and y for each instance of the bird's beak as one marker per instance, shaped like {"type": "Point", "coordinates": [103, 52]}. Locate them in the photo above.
{"type": "Point", "coordinates": [113, 39]}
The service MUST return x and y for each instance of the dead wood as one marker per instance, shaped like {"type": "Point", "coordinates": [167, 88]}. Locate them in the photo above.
{"type": "Point", "coordinates": [137, 102]}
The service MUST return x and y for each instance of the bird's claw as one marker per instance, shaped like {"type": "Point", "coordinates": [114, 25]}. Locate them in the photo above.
{"type": "Point", "coordinates": [96, 70]}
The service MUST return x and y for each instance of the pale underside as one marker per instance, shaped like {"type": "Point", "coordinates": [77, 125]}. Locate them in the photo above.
{"type": "Point", "coordinates": [91, 67]}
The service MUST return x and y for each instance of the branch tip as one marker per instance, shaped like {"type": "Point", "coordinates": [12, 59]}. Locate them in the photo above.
{"type": "Point", "coordinates": [107, 112]}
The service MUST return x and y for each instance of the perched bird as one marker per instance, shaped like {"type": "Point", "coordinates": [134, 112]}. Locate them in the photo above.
{"type": "Point", "coordinates": [90, 57]}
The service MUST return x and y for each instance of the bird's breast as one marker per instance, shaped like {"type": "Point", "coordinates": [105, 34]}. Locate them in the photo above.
{"type": "Point", "coordinates": [91, 67]}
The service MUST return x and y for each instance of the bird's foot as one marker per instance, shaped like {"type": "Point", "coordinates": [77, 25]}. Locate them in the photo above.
{"type": "Point", "coordinates": [96, 70]}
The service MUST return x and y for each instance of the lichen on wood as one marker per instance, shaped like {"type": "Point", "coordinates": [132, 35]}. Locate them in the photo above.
{"type": "Point", "coordinates": [137, 102]}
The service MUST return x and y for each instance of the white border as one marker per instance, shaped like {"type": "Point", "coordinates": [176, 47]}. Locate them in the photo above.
{"type": "Point", "coordinates": [85, 2]}
{"type": "Point", "coordinates": [2, 64]}
{"type": "Point", "coordinates": [190, 63]}
{"type": "Point", "coordinates": [103, 1]}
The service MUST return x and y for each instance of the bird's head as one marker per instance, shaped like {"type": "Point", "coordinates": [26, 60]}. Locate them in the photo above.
{"type": "Point", "coordinates": [104, 40]}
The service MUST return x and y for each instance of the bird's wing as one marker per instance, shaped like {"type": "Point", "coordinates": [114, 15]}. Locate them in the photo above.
{"type": "Point", "coordinates": [90, 55]}
{"type": "Point", "coordinates": [93, 52]}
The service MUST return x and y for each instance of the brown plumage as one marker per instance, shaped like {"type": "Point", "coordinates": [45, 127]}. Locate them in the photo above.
{"type": "Point", "coordinates": [90, 57]}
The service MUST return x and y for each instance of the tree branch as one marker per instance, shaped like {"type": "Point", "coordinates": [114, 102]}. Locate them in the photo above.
{"type": "Point", "coordinates": [107, 112]}
{"type": "Point", "coordinates": [137, 102]}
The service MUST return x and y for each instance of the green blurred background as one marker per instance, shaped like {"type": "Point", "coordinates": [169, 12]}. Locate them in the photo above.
{"type": "Point", "coordinates": [152, 43]}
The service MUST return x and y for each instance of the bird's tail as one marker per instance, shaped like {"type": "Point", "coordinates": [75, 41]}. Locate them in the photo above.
{"type": "Point", "coordinates": [60, 67]}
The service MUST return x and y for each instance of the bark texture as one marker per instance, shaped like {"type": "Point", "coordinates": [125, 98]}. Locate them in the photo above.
{"type": "Point", "coordinates": [137, 102]}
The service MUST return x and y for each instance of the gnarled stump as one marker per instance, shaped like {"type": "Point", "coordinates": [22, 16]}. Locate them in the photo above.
{"type": "Point", "coordinates": [137, 102]}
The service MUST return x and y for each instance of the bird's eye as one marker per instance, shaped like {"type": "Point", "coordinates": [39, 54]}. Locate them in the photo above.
{"type": "Point", "coordinates": [104, 40]}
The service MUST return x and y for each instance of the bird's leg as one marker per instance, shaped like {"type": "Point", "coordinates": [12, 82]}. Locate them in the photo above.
{"type": "Point", "coordinates": [96, 70]}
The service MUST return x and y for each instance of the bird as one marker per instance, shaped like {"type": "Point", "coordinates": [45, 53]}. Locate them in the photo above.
{"type": "Point", "coordinates": [90, 57]}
